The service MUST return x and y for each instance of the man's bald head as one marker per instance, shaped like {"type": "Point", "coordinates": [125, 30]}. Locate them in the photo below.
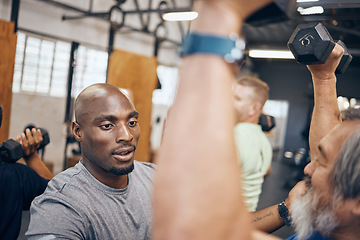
{"type": "Point", "coordinates": [108, 131]}
{"type": "Point", "coordinates": [93, 94]}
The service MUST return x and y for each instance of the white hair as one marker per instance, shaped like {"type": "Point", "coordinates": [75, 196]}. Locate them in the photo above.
{"type": "Point", "coordinates": [308, 216]}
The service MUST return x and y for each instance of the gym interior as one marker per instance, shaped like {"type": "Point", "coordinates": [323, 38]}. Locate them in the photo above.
{"type": "Point", "coordinates": [51, 50]}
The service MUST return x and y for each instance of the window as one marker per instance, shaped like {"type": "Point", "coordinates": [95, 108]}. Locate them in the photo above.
{"type": "Point", "coordinates": [91, 67]}
{"type": "Point", "coordinates": [41, 65]}
{"type": "Point", "coordinates": [168, 77]}
{"type": "Point", "coordinates": [162, 99]}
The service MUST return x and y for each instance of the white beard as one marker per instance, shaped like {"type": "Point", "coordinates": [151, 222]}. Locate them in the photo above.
{"type": "Point", "coordinates": [307, 218]}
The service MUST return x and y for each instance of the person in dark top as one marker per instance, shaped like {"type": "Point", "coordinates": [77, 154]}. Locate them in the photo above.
{"type": "Point", "coordinates": [20, 183]}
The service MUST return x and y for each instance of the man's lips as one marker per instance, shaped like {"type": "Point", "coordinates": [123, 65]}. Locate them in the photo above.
{"type": "Point", "coordinates": [124, 154]}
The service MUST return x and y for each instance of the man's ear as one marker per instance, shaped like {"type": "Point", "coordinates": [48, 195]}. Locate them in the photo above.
{"type": "Point", "coordinates": [255, 109]}
{"type": "Point", "coordinates": [356, 207]}
{"type": "Point", "coordinates": [76, 131]}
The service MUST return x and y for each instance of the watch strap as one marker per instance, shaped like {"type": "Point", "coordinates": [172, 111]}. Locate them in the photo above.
{"type": "Point", "coordinates": [230, 48]}
{"type": "Point", "coordinates": [284, 213]}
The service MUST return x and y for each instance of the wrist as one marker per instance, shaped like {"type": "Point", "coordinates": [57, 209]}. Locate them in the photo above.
{"type": "Point", "coordinates": [288, 204]}
{"type": "Point", "coordinates": [230, 48]}
{"type": "Point", "coordinates": [214, 18]}
{"type": "Point", "coordinates": [284, 213]}
{"type": "Point", "coordinates": [30, 157]}
{"type": "Point", "coordinates": [324, 77]}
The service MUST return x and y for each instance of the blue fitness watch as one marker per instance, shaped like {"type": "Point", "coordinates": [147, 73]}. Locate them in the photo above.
{"type": "Point", "coordinates": [230, 48]}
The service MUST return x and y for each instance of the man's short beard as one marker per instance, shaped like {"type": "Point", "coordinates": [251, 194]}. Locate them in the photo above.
{"type": "Point", "coordinates": [307, 217]}
{"type": "Point", "coordinates": [123, 170]}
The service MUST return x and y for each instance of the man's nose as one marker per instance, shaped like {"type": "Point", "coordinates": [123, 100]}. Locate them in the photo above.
{"type": "Point", "coordinates": [124, 134]}
{"type": "Point", "coordinates": [309, 168]}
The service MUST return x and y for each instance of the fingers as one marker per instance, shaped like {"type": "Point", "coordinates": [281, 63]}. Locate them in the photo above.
{"type": "Point", "coordinates": [19, 138]}
{"type": "Point", "coordinates": [327, 70]}
{"type": "Point", "coordinates": [337, 53]}
{"type": "Point", "coordinates": [37, 135]}
{"type": "Point", "coordinates": [245, 8]}
{"type": "Point", "coordinates": [222, 17]}
{"type": "Point", "coordinates": [30, 140]}
{"type": "Point", "coordinates": [298, 190]}
{"type": "Point", "coordinates": [249, 7]}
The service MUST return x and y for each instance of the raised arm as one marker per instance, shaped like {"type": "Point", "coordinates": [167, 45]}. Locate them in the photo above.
{"type": "Point", "coordinates": [30, 142]}
{"type": "Point", "coordinates": [326, 114]}
{"type": "Point", "coordinates": [197, 190]}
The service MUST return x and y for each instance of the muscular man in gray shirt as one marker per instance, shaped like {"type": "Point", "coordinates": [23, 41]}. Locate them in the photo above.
{"type": "Point", "coordinates": [107, 195]}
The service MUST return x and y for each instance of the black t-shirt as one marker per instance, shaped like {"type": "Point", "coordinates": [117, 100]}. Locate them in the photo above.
{"type": "Point", "coordinates": [19, 185]}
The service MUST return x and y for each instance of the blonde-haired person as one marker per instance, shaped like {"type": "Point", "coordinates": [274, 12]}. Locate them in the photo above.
{"type": "Point", "coordinates": [254, 148]}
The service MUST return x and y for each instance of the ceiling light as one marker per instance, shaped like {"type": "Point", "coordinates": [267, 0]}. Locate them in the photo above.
{"type": "Point", "coordinates": [302, 1]}
{"type": "Point", "coordinates": [278, 54]}
{"type": "Point", "coordinates": [180, 16]}
{"type": "Point", "coordinates": [310, 10]}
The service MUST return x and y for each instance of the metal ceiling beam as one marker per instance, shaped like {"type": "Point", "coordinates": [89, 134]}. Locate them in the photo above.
{"type": "Point", "coordinates": [106, 16]}
{"type": "Point", "coordinates": [65, 6]}
{"type": "Point", "coordinates": [332, 4]}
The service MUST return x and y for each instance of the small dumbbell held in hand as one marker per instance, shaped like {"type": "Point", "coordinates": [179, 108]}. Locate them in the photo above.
{"type": "Point", "coordinates": [10, 151]}
{"type": "Point", "coordinates": [312, 44]}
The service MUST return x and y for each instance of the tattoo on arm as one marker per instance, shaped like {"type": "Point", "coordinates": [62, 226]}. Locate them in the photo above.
{"type": "Point", "coordinates": [257, 219]}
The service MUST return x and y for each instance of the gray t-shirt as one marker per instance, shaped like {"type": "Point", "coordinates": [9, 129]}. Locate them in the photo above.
{"type": "Point", "coordinates": [75, 205]}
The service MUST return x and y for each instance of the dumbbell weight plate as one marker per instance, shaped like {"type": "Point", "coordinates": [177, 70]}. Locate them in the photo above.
{"type": "Point", "coordinates": [311, 43]}
{"type": "Point", "coordinates": [12, 151]}
{"type": "Point", "coordinates": [345, 60]}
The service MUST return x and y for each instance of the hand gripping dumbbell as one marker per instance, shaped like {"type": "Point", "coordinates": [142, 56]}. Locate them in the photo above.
{"type": "Point", "coordinates": [44, 133]}
{"type": "Point", "coordinates": [11, 151]}
{"type": "Point", "coordinates": [311, 43]}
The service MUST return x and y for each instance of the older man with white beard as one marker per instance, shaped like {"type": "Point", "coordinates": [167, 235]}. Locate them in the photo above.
{"type": "Point", "coordinates": [330, 209]}
{"type": "Point", "coordinates": [331, 206]}
{"type": "Point", "coordinates": [328, 204]}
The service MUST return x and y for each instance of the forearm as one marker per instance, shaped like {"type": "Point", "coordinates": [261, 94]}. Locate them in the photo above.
{"type": "Point", "coordinates": [34, 162]}
{"type": "Point", "coordinates": [326, 114]}
{"type": "Point", "coordinates": [197, 188]}
{"type": "Point", "coordinates": [267, 220]}
{"type": "Point", "coordinates": [198, 182]}
{"type": "Point", "coordinates": [198, 177]}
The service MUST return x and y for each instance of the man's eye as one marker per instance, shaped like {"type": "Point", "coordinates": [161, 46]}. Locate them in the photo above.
{"type": "Point", "coordinates": [106, 126]}
{"type": "Point", "coordinates": [133, 123]}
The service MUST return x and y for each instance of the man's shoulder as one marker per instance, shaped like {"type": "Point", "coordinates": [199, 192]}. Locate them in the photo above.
{"type": "Point", "coordinates": [144, 171]}
{"type": "Point", "coordinates": [65, 177]}
{"type": "Point", "coordinates": [247, 128]}
{"type": "Point", "coordinates": [18, 174]}
{"type": "Point", "coordinates": [145, 165]}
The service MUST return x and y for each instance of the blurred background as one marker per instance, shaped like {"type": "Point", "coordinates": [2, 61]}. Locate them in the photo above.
{"type": "Point", "coordinates": [53, 49]}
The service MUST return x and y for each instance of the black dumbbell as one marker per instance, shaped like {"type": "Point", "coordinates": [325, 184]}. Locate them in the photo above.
{"type": "Point", "coordinates": [267, 122]}
{"type": "Point", "coordinates": [44, 133]}
{"type": "Point", "coordinates": [11, 151]}
{"type": "Point", "coordinates": [311, 43]}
